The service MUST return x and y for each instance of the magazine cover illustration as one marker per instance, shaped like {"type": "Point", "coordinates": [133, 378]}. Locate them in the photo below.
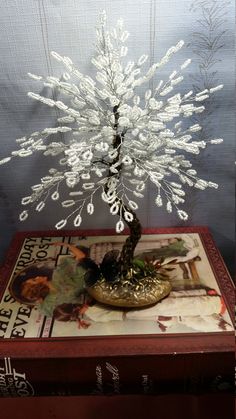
{"type": "Point", "coordinates": [46, 296]}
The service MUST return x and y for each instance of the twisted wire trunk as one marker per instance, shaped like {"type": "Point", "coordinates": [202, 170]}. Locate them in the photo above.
{"type": "Point", "coordinates": [127, 252]}
{"type": "Point", "coordinates": [135, 229]}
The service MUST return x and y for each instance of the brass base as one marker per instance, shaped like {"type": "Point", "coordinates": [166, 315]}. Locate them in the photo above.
{"type": "Point", "coordinates": [143, 293]}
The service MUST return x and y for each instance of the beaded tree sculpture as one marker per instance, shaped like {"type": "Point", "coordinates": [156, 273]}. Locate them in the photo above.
{"type": "Point", "coordinates": [118, 142]}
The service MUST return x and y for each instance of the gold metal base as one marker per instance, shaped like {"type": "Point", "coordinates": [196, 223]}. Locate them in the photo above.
{"type": "Point", "coordinates": [143, 293]}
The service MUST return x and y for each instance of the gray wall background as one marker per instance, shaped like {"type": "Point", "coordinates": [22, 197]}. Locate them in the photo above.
{"type": "Point", "coordinates": [30, 29]}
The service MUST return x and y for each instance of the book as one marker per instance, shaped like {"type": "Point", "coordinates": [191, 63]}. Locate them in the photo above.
{"type": "Point", "coordinates": [168, 406]}
{"type": "Point", "coordinates": [65, 343]}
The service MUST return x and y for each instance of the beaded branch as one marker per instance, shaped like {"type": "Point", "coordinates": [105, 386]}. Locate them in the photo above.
{"type": "Point", "coordinates": [117, 141]}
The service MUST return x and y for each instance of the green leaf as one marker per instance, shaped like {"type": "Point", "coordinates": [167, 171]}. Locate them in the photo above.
{"type": "Point", "coordinates": [139, 263]}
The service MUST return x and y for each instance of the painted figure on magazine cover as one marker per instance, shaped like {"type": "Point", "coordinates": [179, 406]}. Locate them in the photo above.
{"type": "Point", "coordinates": [49, 287]}
{"type": "Point", "coordinates": [59, 291]}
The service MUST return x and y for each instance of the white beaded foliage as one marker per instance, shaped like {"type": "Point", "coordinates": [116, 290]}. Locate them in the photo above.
{"type": "Point", "coordinates": [152, 145]}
